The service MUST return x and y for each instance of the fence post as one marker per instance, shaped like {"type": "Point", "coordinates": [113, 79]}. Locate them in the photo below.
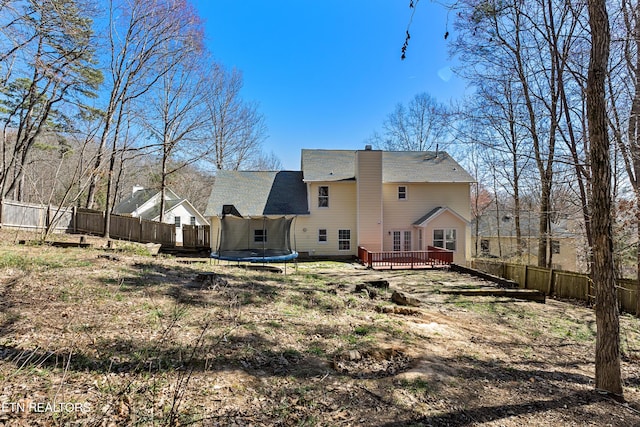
{"type": "Point", "coordinates": [526, 277]}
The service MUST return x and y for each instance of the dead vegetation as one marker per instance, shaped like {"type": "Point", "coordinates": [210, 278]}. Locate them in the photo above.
{"type": "Point", "coordinates": [129, 339]}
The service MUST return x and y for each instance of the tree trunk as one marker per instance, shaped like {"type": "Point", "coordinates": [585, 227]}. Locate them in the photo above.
{"type": "Point", "coordinates": [608, 375]}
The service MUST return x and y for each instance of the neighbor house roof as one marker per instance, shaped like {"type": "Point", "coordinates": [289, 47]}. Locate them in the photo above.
{"type": "Point", "coordinates": [259, 193]}
{"type": "Point", "coordinates": [133, 202]}
{"type": "Point", "coordinates": [397, 166]}
{"type": "Point", "coordinates": [154, 212]}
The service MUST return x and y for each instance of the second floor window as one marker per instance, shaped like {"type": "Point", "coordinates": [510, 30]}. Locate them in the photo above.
{"type": "Point", "coordinates": [323, 196]}
{"type": "Point", "coordinates": [402, 192]}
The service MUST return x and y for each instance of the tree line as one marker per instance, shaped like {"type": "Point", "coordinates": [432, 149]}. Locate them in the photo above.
{"type": "Point", "coordinates": [98, 96]}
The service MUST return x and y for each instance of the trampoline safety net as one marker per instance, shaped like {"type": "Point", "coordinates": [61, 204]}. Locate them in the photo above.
{"type": "Point", "coordinates": [242, 238]}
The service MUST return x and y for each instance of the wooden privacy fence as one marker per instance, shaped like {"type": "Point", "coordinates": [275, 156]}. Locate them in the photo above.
{"type": "Point", "coordinates": [36, 217]}
{"type": "Point", "coordinates": [126, 227]}
{"type": "Point", "coordinates": [196, 236]}
{"type": "Point", "coordinates": [562, 284]}
{"type": "Point", "coordinates": [78, 220]}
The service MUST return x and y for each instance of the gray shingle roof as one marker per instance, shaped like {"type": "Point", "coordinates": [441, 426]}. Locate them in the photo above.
{"type": "Point", "coordinates": [397, 166]}
{"type": "Point", "coordinates": [132, 203]}
{"type": "Point", "coordinates": [422, 166]}
{"type": "Point", "coordinates": [259, 193]}
{"type": "Point", "coordinates": [427, 215]}
{"type": "Point", "coordinates": [329, 165]}
{"type": "Point", "coordinates": [154, 212]}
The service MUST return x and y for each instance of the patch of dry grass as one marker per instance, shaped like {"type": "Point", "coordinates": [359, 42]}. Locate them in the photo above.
{"type": "Point", "coordinates": [136, 340]}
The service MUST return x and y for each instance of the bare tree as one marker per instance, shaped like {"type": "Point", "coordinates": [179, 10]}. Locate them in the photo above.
{"type": "Point", "coordinates": [142, 34]}
{"type": "Point", "coordinates": [420, 126]}
{"type": "Point", "coordinates": [237, 128]}
{"type": "Point", "coordinates": [608, 376]}
{"type": "Point", "coordinates": [178, 116]}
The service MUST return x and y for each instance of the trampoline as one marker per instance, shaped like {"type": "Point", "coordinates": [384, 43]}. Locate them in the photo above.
{"type": "Point", "coordinates": [255, 240]}
{"type": "Point", "coordinates": [255, 256]}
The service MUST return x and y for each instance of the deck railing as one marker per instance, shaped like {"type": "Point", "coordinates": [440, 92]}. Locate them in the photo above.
{"type": "Point", "coordinates": [405, 259]}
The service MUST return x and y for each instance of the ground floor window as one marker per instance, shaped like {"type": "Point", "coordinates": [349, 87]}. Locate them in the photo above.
{"type": "Point", "coordinates": [322, 235]}
{"type": "Point", "coordinates": [344, 240]}
{"type": "Point", "coordinates": [259, 236]}
{"type": "Point", "coordinates": [177, 221]}
{"type": "Point", "coordinates": [193, 220]}
{"type": "Point", "coordinates": [445, 238]}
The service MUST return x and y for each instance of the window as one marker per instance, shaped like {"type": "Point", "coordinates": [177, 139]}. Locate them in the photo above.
{"type": "Point", "coordinates": [322, 235]}
{"type": "Point", "coordinates": [445, 238]}
{"type": "Point", "coordinates": [402, 241]}
{"type": "Point", "coordinates": [344, 240]}
{"type": "Point", "coordinates": [484, 247]}
{"type": "Point", "coordinates": [193, 220]}
{"type": "Point", "coordinates": [178, 221]}
{"type": "Point", "coordinates": [260, 236]}
{"type": "Point", "coordinates": [555, 246]}
{"type": "Point", "coordinates": [402, 192]}
{"type": "Point", "coordinates": [323, 196]}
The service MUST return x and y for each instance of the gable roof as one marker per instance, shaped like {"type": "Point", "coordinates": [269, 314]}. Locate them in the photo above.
{"type": "Point", "coordinates": [434, 213]}
{"type": "Point", "coordinates": [259, 193]}
{"type": "Point", "coordinates": [133, 202]}
{"type": "Point", "coordinates": [397, 166]}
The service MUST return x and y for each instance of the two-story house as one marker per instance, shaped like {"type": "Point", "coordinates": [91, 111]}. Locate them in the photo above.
{"type": "Point", "coordinates": [343, 199]}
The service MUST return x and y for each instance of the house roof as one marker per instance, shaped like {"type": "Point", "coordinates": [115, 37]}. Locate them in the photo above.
{"type": "Point", "coordinates": [422, 166]}
{"type": "Point", "coordinates": [397, 166]}
{"type": "Point", "coordinates": [491, 223]}
{"type": "Point", "coordinates": [133, 202]}
{"type": "Point", "coordinates": [259, 193]}
{"type": "Point", "coordinates": [329, 165]}
{"type": "Point", "coordinates": [154, 212]}
{"type": "Point", "coordinates": [434, 213]}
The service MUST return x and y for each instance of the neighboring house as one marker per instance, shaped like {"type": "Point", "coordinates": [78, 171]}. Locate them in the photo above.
{"type": "Point", "coordinates": [496, 238]}
{"type": "Point", "coordinates": [145, 203]}
{"type": "Point", "coordinates": [342, 199]}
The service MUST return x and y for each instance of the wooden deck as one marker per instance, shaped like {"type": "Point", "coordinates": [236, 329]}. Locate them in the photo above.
{"type": "Point", "coordinates": [388, 260]}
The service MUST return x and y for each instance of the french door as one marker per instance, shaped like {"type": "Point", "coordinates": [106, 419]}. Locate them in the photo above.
{"type": "Point", "coordinates": [401, 240]}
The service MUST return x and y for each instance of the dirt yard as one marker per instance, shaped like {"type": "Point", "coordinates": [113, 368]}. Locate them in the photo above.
{"type": "Point", "coordinates": [115, 337]}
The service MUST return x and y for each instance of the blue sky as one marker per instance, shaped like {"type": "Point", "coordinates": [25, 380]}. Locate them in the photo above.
{"type": "Point", "coordinates": [326, 73]}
